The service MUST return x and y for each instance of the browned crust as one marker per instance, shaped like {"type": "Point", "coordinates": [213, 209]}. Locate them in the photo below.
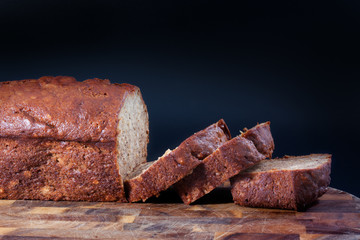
{"type": "Point", "coordinates": [285, 189]}
{"type": "Point", "coordinates": [170, 168]}
{"type": "Point", "coordinates": [261, 136]}
{"type": "Point", "coordinates": [59, 170]}
{"type": "Point", "coordinates": [61, 108]}
{"type": "Point", "coordinates": [227, 161]}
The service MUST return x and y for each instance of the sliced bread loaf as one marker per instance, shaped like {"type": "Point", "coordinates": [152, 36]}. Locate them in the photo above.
{"type": "Point", "coordinates": [227, 161]}
{"type": "Point", "coordinates": [153, 177]}
{"type": "Point", "coordinates": [61, 139]}
{"type": "Point", "coordinates": [287, 183]}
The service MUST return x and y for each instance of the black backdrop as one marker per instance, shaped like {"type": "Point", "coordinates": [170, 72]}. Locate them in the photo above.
{"type": "Point", "coordinates": [295, 63]}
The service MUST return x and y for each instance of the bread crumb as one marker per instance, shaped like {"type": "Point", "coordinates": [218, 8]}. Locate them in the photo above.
{"type": "Point", "coordinates": [45, 190]}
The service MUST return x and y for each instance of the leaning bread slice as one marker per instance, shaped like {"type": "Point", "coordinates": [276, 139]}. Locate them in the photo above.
{"type": "Point", "coordinates": [153, 177]}
{"type": "Point", "coordinates": [227, 161]}
{"type": "Point", "coordinates": [287, 183]}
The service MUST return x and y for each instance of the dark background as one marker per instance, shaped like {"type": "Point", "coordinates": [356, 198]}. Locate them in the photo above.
{"type": "Point", "coordinates": [295, 63]}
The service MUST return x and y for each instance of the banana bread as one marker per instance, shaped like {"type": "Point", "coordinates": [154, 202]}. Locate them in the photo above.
{"type": "Point", "coordinates": [61, 139]}
{"type": "Point", "coordinates": [287, 183]}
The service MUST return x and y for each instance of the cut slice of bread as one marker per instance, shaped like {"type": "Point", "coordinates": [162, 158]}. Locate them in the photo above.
{"type": "Point", "coordinates": [286, 183]}
{"type": "Point", "coordinates": [153, 177]}
{"type": "Point", "coordinates": [227, 161]}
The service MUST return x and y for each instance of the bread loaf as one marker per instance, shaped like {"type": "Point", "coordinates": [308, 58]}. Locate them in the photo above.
{"type": "Point", "coordinates": [153, 177]}
{"type": "Point", "coordinates": [287, 183]}
{"type": "Point", "coordinates": [227, 161]}
{"type": "Point", "coordinates": [61, 139]}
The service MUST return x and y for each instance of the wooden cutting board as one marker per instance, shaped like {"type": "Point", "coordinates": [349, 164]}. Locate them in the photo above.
{"type": "Point", "coordinates": [335, 216]}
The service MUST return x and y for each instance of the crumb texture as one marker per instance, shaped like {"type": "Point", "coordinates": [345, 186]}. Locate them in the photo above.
{"type": "Point", "coordinates": [291, 163]}
{"type": "Point", "coordinates": [133, 134]}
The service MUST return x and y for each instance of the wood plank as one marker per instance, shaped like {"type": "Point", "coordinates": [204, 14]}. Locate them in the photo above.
{"type": "Point", "coordinates": [336, 215]}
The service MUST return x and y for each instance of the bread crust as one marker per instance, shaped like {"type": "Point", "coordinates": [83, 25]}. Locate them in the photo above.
{"type": "Point", "coordinates": [285, 189]}
{"type": "Point", "coordinates": [58, 139]}
{"type": "Point", "coordinates": [61, 108]}
{"type": "Point", "coordinates": [262, 138]}
{"type": "Point", "coordinates": [59, 170]}
{"type": "Point", "coordinates": [178, 163]}
{"type": "Point", "coordinates": [227, 161]}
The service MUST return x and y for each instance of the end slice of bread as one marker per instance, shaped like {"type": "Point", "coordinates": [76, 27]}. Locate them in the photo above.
{"type": "Point", "coordinates": [227, 161]}
{"type": "Point", "coordinates": [151, 178]}
{"type": "Point", "coordinates": [286, 183]}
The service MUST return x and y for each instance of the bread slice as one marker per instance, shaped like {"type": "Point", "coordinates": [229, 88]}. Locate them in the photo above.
{"type": "Point", "coordinates": [227, 161]}
{"type": "Point", "coordinates": [61, 139]}
{"type": "Point", "coordinates": [153, 177]}
{"type": "Point", "coordinates": [286, 183]}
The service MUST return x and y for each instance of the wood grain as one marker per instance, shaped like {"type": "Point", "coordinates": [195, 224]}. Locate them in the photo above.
{"type": "Point", "coordinates": [336, 215]}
